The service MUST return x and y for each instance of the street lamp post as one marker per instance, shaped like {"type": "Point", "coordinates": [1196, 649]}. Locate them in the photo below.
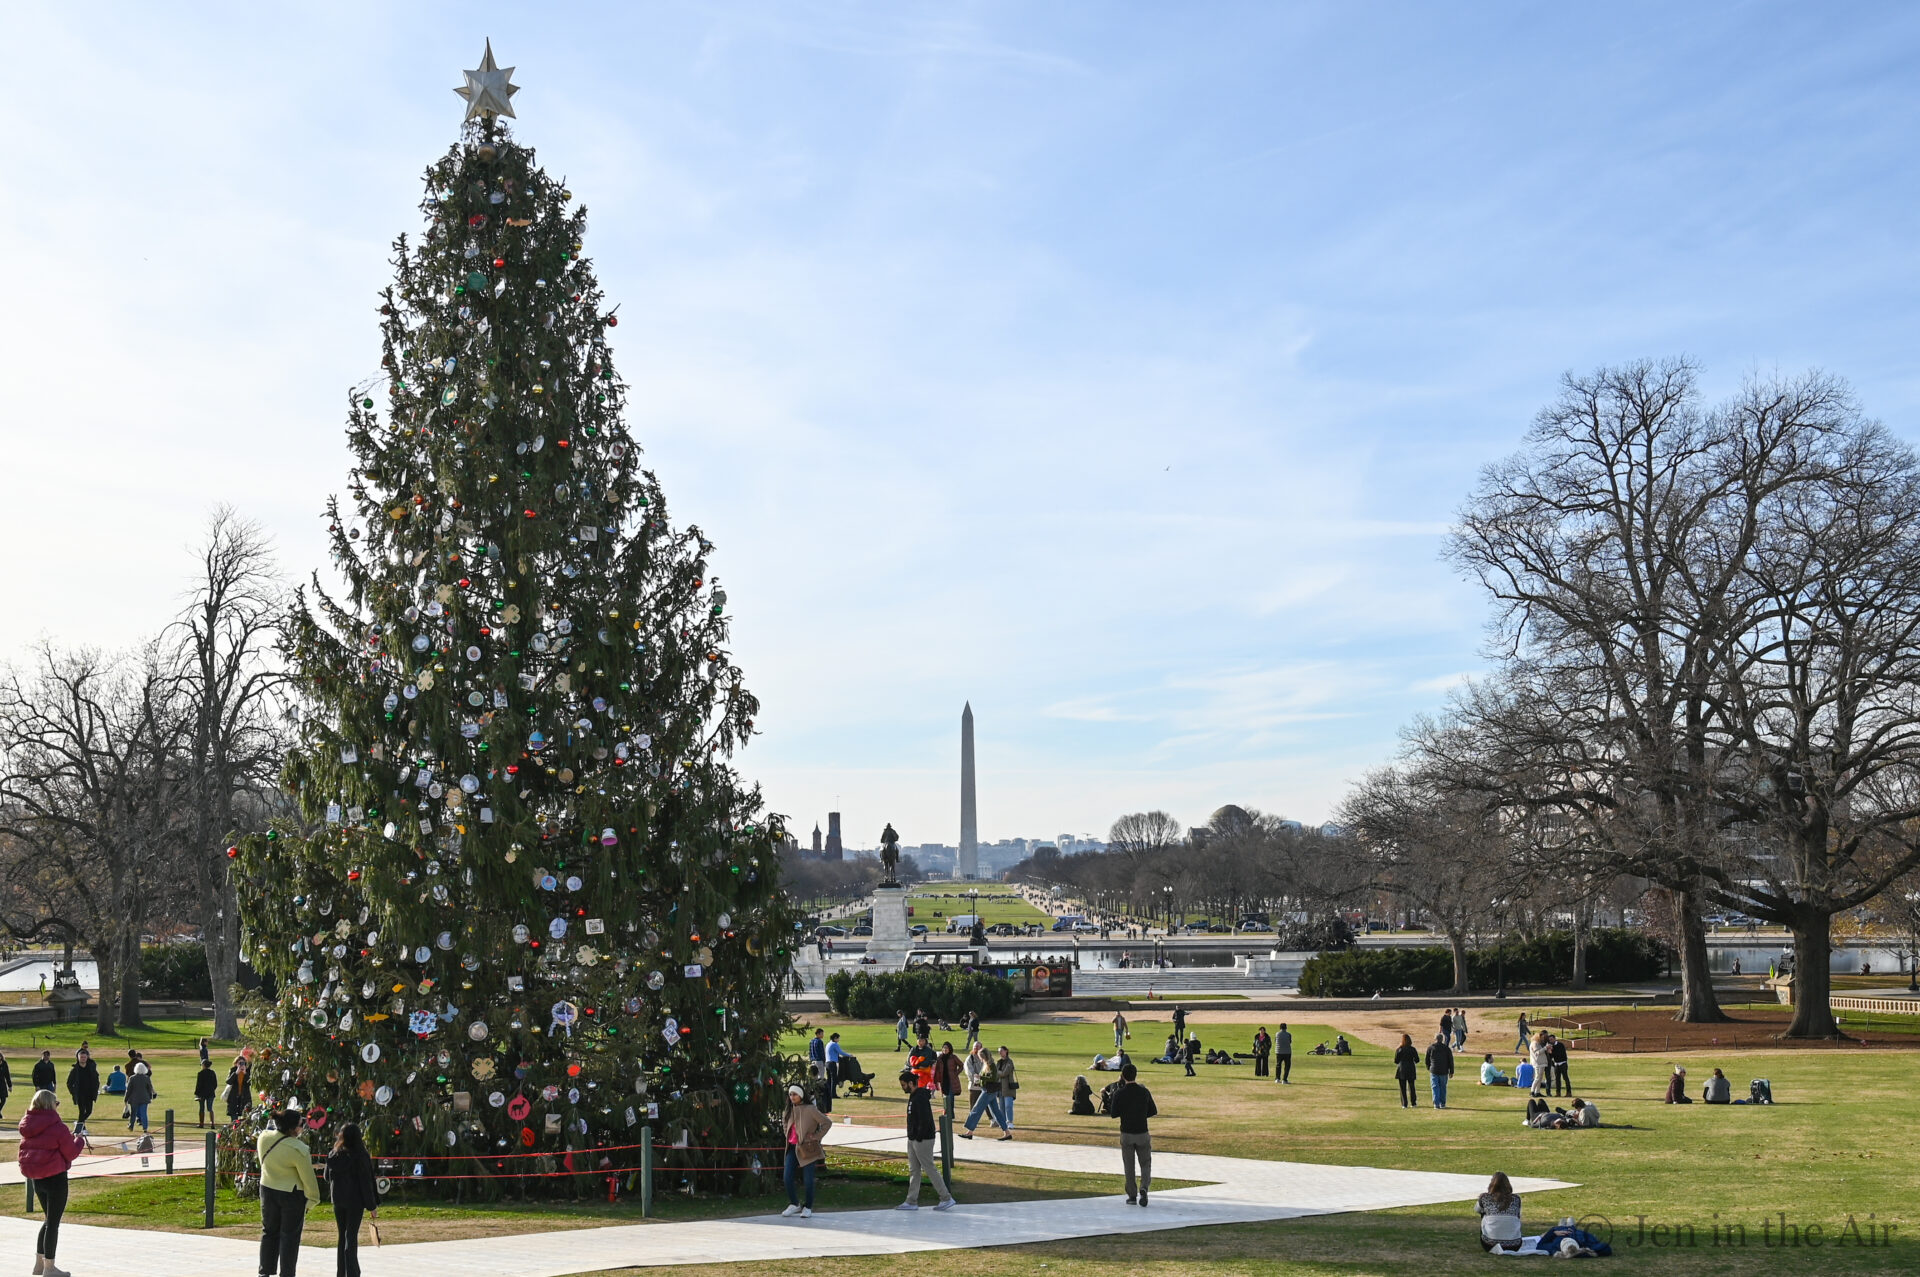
{"type": "Point", "coordinates": [1500, 927]}
{"type": "Point", "coordinates": [1913, 942]}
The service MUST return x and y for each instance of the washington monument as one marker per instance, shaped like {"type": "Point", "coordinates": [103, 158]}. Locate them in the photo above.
{"type": "Point", "coordinates": [969, 857]}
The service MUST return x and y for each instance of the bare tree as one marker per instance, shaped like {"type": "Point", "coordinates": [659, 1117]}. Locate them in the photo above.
{"type": "Point", "coordinates": [232, 695]}
{"type": "Point", "coordinates": [1617, 545]}
{"type": "Point", "coordinates": [89, 796]}
{"type": "Point", "coordinates": [1422, 841]}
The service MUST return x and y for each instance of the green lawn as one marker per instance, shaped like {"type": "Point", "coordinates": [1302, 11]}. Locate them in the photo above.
{"type": "Point", "coordinates": [1836, 1144]}
{"type": "Point", "coordinates": [997, 903]}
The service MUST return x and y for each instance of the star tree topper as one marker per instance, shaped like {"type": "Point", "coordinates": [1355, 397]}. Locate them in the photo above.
{"type": "Point", "coordinates": [487, 91]}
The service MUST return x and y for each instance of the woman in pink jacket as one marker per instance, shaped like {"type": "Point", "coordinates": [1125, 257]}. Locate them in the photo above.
{"type": "Point", "coordinates": [47, 1149]}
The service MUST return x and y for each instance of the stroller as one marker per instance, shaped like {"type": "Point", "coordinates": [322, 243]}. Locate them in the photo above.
{"type": "Point", "coordinates": [856, 1080]}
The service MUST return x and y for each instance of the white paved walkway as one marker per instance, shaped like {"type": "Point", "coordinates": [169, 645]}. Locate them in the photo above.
{"type": "Point", "coordinates": [1238, 1190]}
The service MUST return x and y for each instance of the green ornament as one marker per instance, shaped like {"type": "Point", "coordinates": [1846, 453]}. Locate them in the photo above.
{"type": "Point", "coordinates": [476, 282]}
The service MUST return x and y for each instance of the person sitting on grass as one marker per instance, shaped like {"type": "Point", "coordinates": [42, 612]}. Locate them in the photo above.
{"type": "Point", "coordinates": [1499, 1212]}
{"type": "Point", "coordinates": [1717, 1090]}
{"type": "Point", "coordinates": [1340, 1045]}
{"type": "Point", "coordinates": [1490, 1074]}
{"type": "Point", "coordinates": [1082, 1099]}
{"type": "Point", "coordinates": [1171, 1055]}
{"type": "Point", "coordinates": [1677, 1087]}
{"type": "Point", "coordinates": [1585, 1116]}
{"type": "Point", "coordinates": [116, 1082]}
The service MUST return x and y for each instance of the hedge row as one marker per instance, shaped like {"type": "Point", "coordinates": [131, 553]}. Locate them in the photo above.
{"type": "Point", "coordinates": [1613, 955]}
{"type": "Point", "coordinates": [864, 995]}
{"type": "Point", "coordinates": [177, 971]}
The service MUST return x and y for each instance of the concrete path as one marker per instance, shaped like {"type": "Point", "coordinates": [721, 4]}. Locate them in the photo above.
{"type": "Point", "coordinates": [108, 1160]}
{"type": "Point", "coordinates": [1237, 1190]}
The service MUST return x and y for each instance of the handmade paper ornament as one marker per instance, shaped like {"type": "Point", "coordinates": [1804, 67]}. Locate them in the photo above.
{"type": "Point", "coordinates": [423, 954]}
{"type": "Point", "coordinates": [477, 1030]}
{"type": "Point", "coordinates": [496, 1099]}
{"type": "Point", "coordinates": [573, 882]}
{"type": "Point", "coordinates": [553, 1124]}
{"type": "Point", "coordinates": [557, 928]}
{"type": "Point", "coordinates": [519, 1107]}
{"type": "Point", "coordinates": [383, 1096]}
{"type": "Point", "coordinates": [596, 926]}
{"type": "Point", "coordinates": [482, 1069]}
{"type": "Point", "coordinates": [421, 1023]}
{"type": "Point", "coordinates": [671, 1031]}
{"type": "Point", "coordinates": [564, 1015]}
{"type": "Point", "coordinates": [656, 980]}
{"type": "Point", "coordinates": [520, 933]}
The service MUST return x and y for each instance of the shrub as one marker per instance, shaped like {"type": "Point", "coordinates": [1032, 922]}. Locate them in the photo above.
{"type": "Point", "coordinates": [1613, 955]}
{"type": "Point", "coordinates": [175, 971]}
{"type": "Point", "coordinates": [864, 995]}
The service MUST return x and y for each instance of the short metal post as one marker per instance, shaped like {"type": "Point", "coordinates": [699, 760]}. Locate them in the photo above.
{"type": "Point", "coordinates": [29, 1184]}
{"type": "Point", "coordinates": [212, 1171]}
{"type": "Point", "coordinates": [646, 1172]}
{"type": "Point", "coordinates": [946, 1140]}
{"type": "Point", "coordinates": [169, 1141]}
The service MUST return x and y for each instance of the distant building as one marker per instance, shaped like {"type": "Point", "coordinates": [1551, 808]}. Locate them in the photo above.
{"type": "Point", "coordinates": [816, 840]}
{"type": "Point", "coordinates": [834, 851]}
{"type": "Point", "coordinates": [968, 861]}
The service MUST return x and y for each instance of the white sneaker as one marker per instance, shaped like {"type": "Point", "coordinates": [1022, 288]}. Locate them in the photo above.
{"type": "Point", "coordinates": [806, 1212]}
{"type": "Point", "coordinates": [908, 1206]}
{"type": "Point", "coordinates": [790, 1212]}
{"type": "Point", "coordinates": [946, 1205]}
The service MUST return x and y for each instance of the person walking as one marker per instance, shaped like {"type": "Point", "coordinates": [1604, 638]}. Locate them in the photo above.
{"type": "Point", "coordinates": [355, 1194]}
{"type": "Point", "coordinates": [1405, 1061]}
{"type": "Point", "coordinates": [83, 1084]}
{"type": "Point", "coordinates": [1120, 1032]}
{"type": "Point", "coordinates": [982, 1095]}
{"type": "Point", "coordinates": [1133, 1105]}
{"type": "Point", "coordinates": [239, 1090]}
{"type": "Point", "coordinates": [206, 1057]}
{"type": "Point", "coordinates": [1180, 1023]}
{"type": "Point", "coordinates": [1557, 1057]}
{"type": "Point", "coordinates": [817, 1053]}
{"type": "Point", "coordinates": [835, 1054]}
{"type": "Point", "coordinates": [43, 1072]}
{"type": "Point", "coordinates": [948, 1074]}
{"type": "Point", "coordinates": [1192, 1052]}
{"type": "Point", "coordinates": [920, 1134]}
{"type": "Point", "coordinates": [900, 1028]}
{"type": "Point", "coordinates": [1446, 1024]}
{"type": "Point", "coordinates": [1262, 1050]}
{"type": "Point", "coordinates": [1439, 1068]}
{"type": "Point", "coordinates": [6, 1084]}
{"type": "Point", "coordinates": [47, 1150]}
{"type": "Point", "coordinates": [140, 1093]}
{"type": "Point", "coordinates": [805, 1127]}
{"type": "Point", "coordinates": [206, 1085]}
{"type": "Point", "coordinates": [1283, 1056]}
{"type": "Point", "coordinates": [1007, 1082]}
{"type": "Point", "coordinates": [1460, 1029]}
{"type": "Point", "coordinates": [287, 1185]}
{"type": "Point", "coordinates": [1525, 1035]}
{"type": "Point", "coordinates": [973, 1029]}
{"type": "Point", "coordinates": [922, 1026]}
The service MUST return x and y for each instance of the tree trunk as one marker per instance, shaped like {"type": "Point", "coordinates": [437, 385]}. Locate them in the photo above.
{"type": "Point", "coordinates": [1698, 1005]}
{"type": "Point", "coordinates": [1580, 923]}
{"type": "Point", "coordinates": [222, 933]}
{"type": "Point", "coordinates": [1813, 977]}
{"type": "Point", "coordinates": [1457, 938]}
{"type": "Point", "coordinates": [103, 1002]}
{"type": "Point", "coordinates": [130, 979]}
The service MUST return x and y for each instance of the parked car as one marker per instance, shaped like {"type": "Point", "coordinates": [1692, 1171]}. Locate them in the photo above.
{"type": "Point", "coordinates": [825, 932]}
{"type": "Point", "coordinates": [917, 929]}
{"type": "Point", "coordinates": [1219, 929]}
{"type": "Point", "coordinates": [863, 931]}
{"type": "Point", "coordinates": [1001, 929]}
{"type": "Point", "coordinates": [1255, 924]}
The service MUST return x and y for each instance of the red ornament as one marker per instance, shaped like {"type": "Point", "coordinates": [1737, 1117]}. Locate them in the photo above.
{"type": "Point", "coordinates": [498, 262]}
{"type": "Point", "coordinates": [233, 853]}
{"type": "Point", "coordinates": [533, 514]}
{"type": "Point", "coordinates": [613, 321]}
{"type": "Point", "coordinates": [559, 443]}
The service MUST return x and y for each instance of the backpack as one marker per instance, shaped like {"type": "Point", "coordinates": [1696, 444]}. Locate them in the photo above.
{"type": "Point", "coordinates": [1760, 1091]}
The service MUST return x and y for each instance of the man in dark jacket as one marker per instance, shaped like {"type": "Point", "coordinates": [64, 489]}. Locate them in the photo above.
{"type": "Point", "coordinates": [1133, 1104]}
{"type": "Point", "coordinates": [1262, 1049]}
{"type": "Point", "coordinates": [1557, 1056]}
{"type": "Point", "coordinates": [44, 1074]}
{"type": "Point", "coordinates": [920, 1135]}
{"type": "Point", "coordinates": [1439, 1069]}
{"type": "Point", "coordinates": [83, 1084]}
{"type": "Point", "coordinates": [1193, 1052]}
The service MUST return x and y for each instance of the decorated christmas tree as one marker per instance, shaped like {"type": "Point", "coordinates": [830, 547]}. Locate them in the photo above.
{"type": "Point", "coordinates": [529, 902]}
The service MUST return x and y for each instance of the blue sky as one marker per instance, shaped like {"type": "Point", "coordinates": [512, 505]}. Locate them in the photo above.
{"type": "Point", "coordinates": [1116, 367]}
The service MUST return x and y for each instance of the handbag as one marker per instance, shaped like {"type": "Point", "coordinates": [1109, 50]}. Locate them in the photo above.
{"type": "Point", "coordinates": [373, 1226]}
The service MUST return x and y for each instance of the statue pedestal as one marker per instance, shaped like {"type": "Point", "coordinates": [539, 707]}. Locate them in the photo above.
{"type": "Point", "coordinates": [890, 940]}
